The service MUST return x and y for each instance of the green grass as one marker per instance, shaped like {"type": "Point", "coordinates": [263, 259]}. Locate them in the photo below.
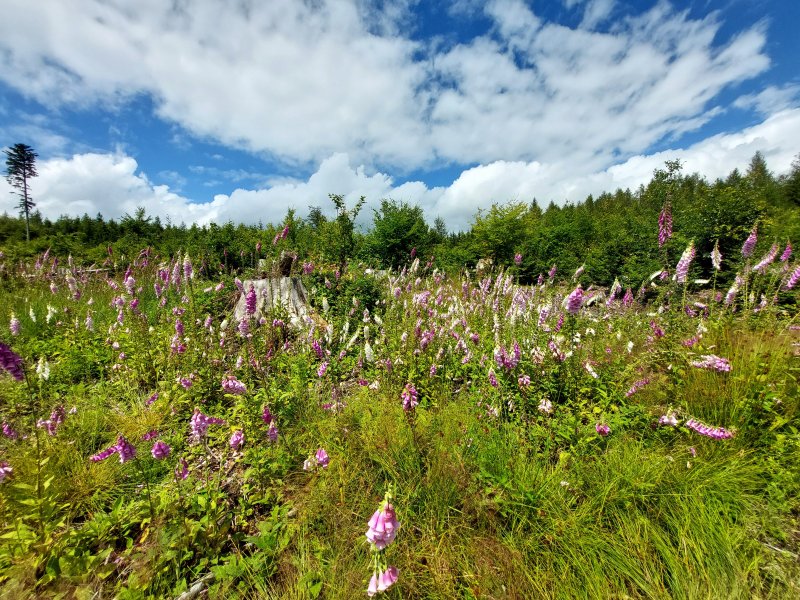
{"type": "Point", "coordinates": [517, 505]}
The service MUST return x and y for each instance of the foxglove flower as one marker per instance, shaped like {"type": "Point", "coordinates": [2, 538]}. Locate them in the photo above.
{"type": "Point", "coordinates": [602, 429]}
{"type": "Point", "coordinates": [9, 431]}
{"type": "Point", "coordinates": [492, 378]}
{"type": "Point", "coordinates": [322, 458]}
{"type": "Point", "coordinates": [637, 385]}
{"type": "Point", "coordinates": [272, 432]}
{"type": "Point", "coordinates": [181, 469]}
{"type": "Point", "coordinates": [199, 423]}
{"type": "Point", "coordinates": [669, 420]}
{"type": "Point", "coordinates": [682, 269]}
{"type": "Point", "coordinates": [545, 406]}
{"type": "Point", "coordinates": [250, 300]}
{"type": "Point", "coordinates": [5, 470]}
{"type": "Point", "coordinates": [627, 299]}
{"type": "Point", "coordinates": [664, 224]}
{"type": "Point", "coordinates": [750, 243]}
{"type": "Point", "coordinates": [793, 279]}
{"type": "Point", "coordinates": [518, 259]}
{"type": "Point", "coordinates": [787, 252]}
{"type": "Point", "coordinates": [769, 257]}
{"type": "Point", "coordinates": [409, 397]}
{"type": "Point", "coordinates": [231, 385]}
{"type": "Point", "coordinates": [237, 439]}
{"type": "Point", "coordinates": [383, 526]}
{"type": "Point", "coordinates": [386, 579]}
{"type": "Point", "coordinates": [712, 362]}
{"type": "Point", "coordinates": [160, 450]}
{"type": "Point", "coordinates": [716, 257]}
{"type": "Point", "coordinates": [322, 369]}
{"type": "Point", "coordinates": [14, 325]}
{"type": "Point", "coordinates": [574, 301]}
{"type": "Point", "coordinates": [11, 361]}
{"type": "Point", "coordinates": [717, 433]}
{"type": "Point", "coordinates": [266, 415]}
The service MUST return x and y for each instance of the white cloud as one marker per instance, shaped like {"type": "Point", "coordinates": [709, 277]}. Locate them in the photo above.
{"type": "Point", "coordinates": [303, 81]}
{"type": "Point", "coordinates": [597, 11]}
{"type": "Point", "coordinates": [112, 184]}
{"type": "Point", "coordinates": [770, 100]}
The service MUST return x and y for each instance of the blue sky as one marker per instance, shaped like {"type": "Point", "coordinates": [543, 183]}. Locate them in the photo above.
{"type": "Point", "coordinates": [237, 110]}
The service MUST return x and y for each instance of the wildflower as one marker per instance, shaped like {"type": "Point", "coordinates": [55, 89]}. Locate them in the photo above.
{"type": "Point", "coordinates": [309, 464]}
{"type": "Point", "coordinates": [43, 369]}
{"type": "Point", "coordinates": [5, 470]}
{"type": "Point", "coordinates": [737, 283]}
{"type": "Point", "coordinates": [383, 526]}
{"type": "Point", "coordinates": [11, 361]}
{"type": "Point", "coordinates": [518, 259]}
{"type": "Point", "coordinates": [151, 399]}
{"type": "Point", "coordinates": [409, 396]}
{"type": "Point", "coordinates": [750, 242]}
{"type": "Point", "coordinates": [250, 301]}
{"type": "Point", "coordinates": [793, 278]}
{"type": "Point", "coordinates": [160, 450]}
{"type": "Point", "coordinates": [181, 469]}
{"type": "Point", "coordinates": [716, 256]}
{"type": "Point", "coordinates": [322, 458]}
{"type": "Point", "coordinates": [125, 450]}
{"type": "Point", "coordinates": [523, 380]}
{"type": "Point", "coordinates": [244, 328]}
{"type": "Point", "coordinates": [122, 447]}
{"type": "Point", "coordinates": [574, 301]}
{"type": "Point", "coordinates": [579, 272]}
{"type": "Point", "coordinates": [237, 439]}
{"type": "Point", "coordinates": [552, 273]}
{"type": "Point", "coordinates": [322, 369]}
{"type": "Point", "coordinates": [545, 406]}
{"type": "Point", "coordinates": [602, 429]}
{"type": "Point", "coordinates": [199, 423]}
{"type": "Point", "coordinates": [150, 435]}
{"type": "Point", "coordinates": [664, 224]}
{"type": "Point", "coordinates": [9, 431]}
{"type": "Point", "coordinates": [717, 433]}
{"type": "Point", "coordinates": [188, 271]}
{"type": "Point", "coordinates": [682, 269]}
{"type": "Point", "coordinates": [383, 581]}
{"type": "Point", "coordinates": [14, 325]}
{"type": "Point", "coordinates": [272, 432]}
{"type": "Point", "coordinates": [231, 385]}
{"type": "Point", "coordinates": [492, 378]}
{"type": "Point", "coordinates": [266, 415]}
{"type": "Point", "coordinates": [769, 257]}
{"type": "Point", "coordinates": [627, 299]}
{"type": "Point", "coordinates": [712, 362]}
{"type": "Point", "coordinates": [786, 253]}
{"type": "Point", "coordinates": [669, 420]}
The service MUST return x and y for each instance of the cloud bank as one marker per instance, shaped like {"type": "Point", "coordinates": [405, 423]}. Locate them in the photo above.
{"type": "Point", "coordinates": [112, 184]}
{"type": "Point", "coordinates": [303, 81]}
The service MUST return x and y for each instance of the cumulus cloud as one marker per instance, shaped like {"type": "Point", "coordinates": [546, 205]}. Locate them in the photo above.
{"type": "Point", "coordinates": [113, 184]}
{"type": "Point", "coordinates": [303, 81]}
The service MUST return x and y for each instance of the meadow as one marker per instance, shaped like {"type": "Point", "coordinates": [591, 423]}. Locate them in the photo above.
{"type": "Point", "coordinates": [420, 434]}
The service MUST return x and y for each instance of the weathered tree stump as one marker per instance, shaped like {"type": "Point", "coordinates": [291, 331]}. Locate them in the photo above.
{"type": "Point", "coordinates": [277, 294]}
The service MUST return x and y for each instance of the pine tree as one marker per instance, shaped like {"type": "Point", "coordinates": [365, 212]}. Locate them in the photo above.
{"type": "Point", "coordinates": [20, 167]}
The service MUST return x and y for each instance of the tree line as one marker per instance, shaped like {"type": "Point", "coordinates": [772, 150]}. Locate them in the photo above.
{"type": "Point", "coordinates": [613, 235]}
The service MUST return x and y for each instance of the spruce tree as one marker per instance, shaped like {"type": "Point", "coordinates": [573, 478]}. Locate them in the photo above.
{"type": "Point", "coordinates": [20, 167]}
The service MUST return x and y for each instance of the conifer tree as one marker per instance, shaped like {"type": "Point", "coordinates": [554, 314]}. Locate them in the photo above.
{"type": "Point", "coordinates": [20, 167]}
